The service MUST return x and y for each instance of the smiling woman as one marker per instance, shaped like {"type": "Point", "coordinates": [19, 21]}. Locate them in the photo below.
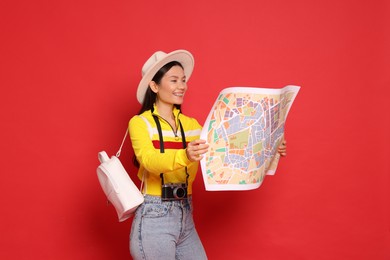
{"type": "Point", "coordinates": [167, 158]}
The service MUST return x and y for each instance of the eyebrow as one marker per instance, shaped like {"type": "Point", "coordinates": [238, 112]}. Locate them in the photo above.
{"type": "Point", "coordinates": [174, 76]}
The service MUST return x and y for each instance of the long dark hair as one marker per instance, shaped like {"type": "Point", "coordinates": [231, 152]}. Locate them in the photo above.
{"type": "Point", "coordinates": [150, 96]}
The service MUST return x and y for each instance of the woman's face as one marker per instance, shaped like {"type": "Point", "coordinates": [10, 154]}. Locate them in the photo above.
{"type": "Point", "coordinates": [172, 87]}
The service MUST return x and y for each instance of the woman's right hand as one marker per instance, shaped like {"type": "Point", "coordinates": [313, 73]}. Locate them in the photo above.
{"type": "Point", "coordinates": [196, 149]}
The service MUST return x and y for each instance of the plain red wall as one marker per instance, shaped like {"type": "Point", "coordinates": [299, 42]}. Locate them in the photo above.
{"type": "Point", "coordinates": [68, 76]}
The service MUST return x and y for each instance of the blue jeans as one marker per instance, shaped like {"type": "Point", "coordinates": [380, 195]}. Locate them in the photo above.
{"type": "Point", "coordinates": [165, 230]}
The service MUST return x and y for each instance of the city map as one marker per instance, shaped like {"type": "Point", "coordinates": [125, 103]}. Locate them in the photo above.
{"type": "Point", "coordinates": [244, 130]}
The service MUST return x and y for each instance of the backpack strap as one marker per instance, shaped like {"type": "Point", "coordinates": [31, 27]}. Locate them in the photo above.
{"type": "Point", "coordinates": [123, 141]}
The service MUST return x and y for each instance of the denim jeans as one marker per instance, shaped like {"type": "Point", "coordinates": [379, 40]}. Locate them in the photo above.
{"type": "Point", "coordinates": [165, 230]}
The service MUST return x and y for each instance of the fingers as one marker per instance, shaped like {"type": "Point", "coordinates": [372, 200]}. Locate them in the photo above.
{"type": "Point", "coordinates": [196, 149]}
{"type": "Point", "coordinates": [283, 154]}
{"type": "Point", "coordinates": [282, 149]}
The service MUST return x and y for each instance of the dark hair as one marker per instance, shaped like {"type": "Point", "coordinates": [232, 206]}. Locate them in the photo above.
{"type": "Point", "coordinates": [150, 96]}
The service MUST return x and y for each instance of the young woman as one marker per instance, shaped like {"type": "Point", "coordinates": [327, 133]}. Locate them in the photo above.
{"type": "Point", "coordinates": [167, 151]}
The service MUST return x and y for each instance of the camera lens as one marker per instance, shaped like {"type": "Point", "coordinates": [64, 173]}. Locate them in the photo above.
{"type": "Point", "coordinates": [179, 193]}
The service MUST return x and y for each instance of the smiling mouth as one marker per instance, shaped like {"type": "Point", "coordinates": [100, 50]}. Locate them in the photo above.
{"type": "Point", "coordinates": [178, 94]}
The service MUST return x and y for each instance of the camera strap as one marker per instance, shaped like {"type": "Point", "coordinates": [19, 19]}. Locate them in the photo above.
{"type": "Point", "coordinates": [160, 135]}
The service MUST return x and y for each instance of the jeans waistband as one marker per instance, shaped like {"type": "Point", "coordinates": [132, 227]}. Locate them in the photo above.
{"type": "Point", "coordinates": [157, 200]}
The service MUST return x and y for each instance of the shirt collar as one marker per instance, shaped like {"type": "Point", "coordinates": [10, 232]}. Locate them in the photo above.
{"type": "Point", "coordinates": [176, 112]}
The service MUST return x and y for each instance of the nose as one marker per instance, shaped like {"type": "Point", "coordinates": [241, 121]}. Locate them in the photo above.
{"type": "Point", "coordinates": [182, 85]}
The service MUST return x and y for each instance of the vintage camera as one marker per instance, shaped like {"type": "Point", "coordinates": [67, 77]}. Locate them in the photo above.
{"type": "Point", "coordinates": [174, 191]}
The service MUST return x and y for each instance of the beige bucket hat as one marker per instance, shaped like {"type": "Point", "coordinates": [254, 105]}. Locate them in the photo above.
{"type": "Point", "coordinates": [158, 60]}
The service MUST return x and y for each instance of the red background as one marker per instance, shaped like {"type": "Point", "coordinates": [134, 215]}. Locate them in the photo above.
{"type": "Point", "coordinates": [68, 76]}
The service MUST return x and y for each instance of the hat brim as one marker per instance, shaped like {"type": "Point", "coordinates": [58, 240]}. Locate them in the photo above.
{"type": "Point", "coordinates": [184, 57]}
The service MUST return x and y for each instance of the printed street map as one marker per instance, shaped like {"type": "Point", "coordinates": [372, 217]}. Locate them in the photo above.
{"type": "Point", "coordinates": [244, 129]}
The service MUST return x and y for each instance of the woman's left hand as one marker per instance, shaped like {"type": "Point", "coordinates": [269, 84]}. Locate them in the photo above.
{"type": "Point", "coordinates": [282, 149]}
{"type": "Point", "coordinates": [196, 149]}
